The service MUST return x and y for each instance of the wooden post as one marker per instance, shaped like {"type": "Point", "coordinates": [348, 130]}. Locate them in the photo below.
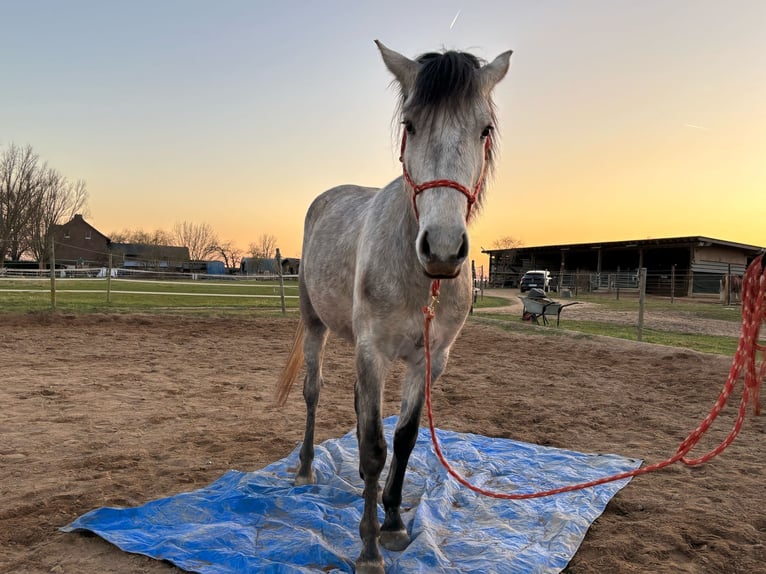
{"type": "Point", "coordinates": [728, 284]}
{"type": "Point", "coordinates": [281, 282]}
{"type": "Point", "coordinates": [53, 276]}
{"type": "Point", "coordinates": [561, 275]}
{"type": "Point", "coordinates": [673, 283]}
{"type": "Point", "coordinates": [473, 285]}
{"type": "Point", "coordinates": [641, 301]}
{"type": "Point", "coordinates": [577, 281]}
{"type": "Point", "coordinates": [109, 281]}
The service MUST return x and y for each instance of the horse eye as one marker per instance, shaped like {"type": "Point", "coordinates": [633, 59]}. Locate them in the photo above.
{"type": "Point", "coordinates": [486, 131]}
{"type": "Point", "coordinates": [409, 127]}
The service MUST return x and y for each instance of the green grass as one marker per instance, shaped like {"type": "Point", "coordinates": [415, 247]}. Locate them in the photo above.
{"type": "Point", "coordinates": [702, 308]}
{"type": "Point", "coordinates": [717, 344]}
{"type": "Point", "coordinates": [89, 295]}
{"type": "Point", "coordinates": [487, 302]}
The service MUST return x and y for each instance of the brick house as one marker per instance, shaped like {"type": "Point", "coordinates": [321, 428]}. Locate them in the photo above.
{"type": "Point", "coordinates": [78, 243]}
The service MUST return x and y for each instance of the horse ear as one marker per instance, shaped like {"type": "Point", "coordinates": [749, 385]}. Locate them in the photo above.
{"type": "Point", "coordinates": [495, 71]}
{"type": "Point", "coordinates": [403, 69]}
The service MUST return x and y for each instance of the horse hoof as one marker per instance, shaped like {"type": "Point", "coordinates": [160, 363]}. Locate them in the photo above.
{"type": "Point", "coordinates": [394, 539]}
{"type": "Point", "coordinates": [369, 567]}
{"type": "Point", "coordinates": [303, 480]}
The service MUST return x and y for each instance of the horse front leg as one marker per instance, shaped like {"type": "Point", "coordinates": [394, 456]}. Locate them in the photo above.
{"type": "Point", "coordinates": [393, 535]}
{"type": "Point", "coordinates": [372, 453]}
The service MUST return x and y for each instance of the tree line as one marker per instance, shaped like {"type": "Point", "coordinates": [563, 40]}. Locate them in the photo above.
{"type": "Point", "coordinates": [34, 197]}
{"type": "Point", "coordinates": [202, 241]}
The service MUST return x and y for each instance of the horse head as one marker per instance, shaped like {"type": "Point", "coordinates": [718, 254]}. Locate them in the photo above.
{"type": "Point", "coordinates": [448, 119]}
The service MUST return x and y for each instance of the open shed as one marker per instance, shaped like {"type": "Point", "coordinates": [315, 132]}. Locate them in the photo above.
{"type": "Point", "coordinates": [678, 265]}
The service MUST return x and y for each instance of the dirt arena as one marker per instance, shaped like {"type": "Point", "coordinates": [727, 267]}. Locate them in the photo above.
{"type": "Point", "coordinates": [120, 409]}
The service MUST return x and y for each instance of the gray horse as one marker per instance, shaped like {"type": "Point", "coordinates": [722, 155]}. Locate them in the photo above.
{"type": "Point", "coordinates": [370, 257]}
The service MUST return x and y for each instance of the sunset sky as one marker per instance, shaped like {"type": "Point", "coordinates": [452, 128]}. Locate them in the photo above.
{"type": "Point", "coordinates": [618, 119]}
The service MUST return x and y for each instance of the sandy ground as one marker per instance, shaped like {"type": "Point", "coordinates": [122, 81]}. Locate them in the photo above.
{"type": "Point", "coordinates": [118, 410]}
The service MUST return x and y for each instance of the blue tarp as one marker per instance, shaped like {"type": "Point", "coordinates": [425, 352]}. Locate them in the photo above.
{"type": "Point", "coordinates": [259, 522]}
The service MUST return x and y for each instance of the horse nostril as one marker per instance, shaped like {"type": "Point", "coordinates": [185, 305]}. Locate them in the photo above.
{"type": "Point", "coordinates": [462, 253]}
{"type": "Point", "coordinates": [425, 247]}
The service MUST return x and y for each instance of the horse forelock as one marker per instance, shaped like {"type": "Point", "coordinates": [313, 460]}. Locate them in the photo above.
{"type": "Point", "coordinates": [446, 81]}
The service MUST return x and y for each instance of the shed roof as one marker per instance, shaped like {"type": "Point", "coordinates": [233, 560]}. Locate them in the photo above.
{"type": "Point", "coordinates": [696, 240]}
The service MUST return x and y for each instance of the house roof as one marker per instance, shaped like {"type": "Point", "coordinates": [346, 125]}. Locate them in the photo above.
{"type": "Point", "coordinates": [77, 220]}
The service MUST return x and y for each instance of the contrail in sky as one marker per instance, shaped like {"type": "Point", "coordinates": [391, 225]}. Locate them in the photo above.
{"type": "Point", "coordinates": [703, 128]}
{"type": "Point", "coordinates": [454, 20]}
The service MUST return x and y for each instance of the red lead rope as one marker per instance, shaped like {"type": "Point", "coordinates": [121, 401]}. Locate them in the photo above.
{"type": "Point", "coordinates": [753, 314]}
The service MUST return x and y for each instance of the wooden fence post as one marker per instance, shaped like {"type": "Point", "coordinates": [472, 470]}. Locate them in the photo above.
{"type": "Point", "coordinates": [109, 281]}
{"type": "Point", "coordinates": [473, 285]}
{"type": "Point", "coordinates": [281, 282]}
{"type": "Point", "coordinates": [53, 276]}
{"type": "Point", "coordinates": [673, 283]}
{"type": "Point", "coordinates": [728, 285]}
{"type": "Point", "coordinates": [641, 301]}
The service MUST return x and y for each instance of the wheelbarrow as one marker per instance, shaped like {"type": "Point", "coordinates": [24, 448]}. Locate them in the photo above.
{"type": "Point", "coordinates": [537, 308]}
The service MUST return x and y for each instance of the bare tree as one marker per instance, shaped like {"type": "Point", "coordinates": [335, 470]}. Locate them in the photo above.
{"type": "Point", "coordinates": [156, 237]}
{"type": "Point", "coordinates": [33, 198]}
{"type": "Point", "coordinates": [264, 247]}
{"type": "Point", "coordinates": [230, 254]}
{"type": "Point", "coordinates": [261, 251]}
{"type": "Point", "coordinates": [507, 242]}
{"type": "Point", "coordinates": [59, 200]}
{"type": "Point", "coordinates": [198, 237]}
{"type": "Point", "coordinates": [19, 190]}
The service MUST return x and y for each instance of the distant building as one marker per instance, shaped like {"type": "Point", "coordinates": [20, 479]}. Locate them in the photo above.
{"type": "Point", "coordinates": [150, 257]}
{"type": "Point", "coordinates": [679, 265]}
{"type": "Point", "coordinates": [78, 244]}
{"type": "Point", "coordinates": [206, 267]}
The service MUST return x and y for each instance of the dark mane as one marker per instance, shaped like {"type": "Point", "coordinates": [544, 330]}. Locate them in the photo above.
{"type": "Point", "coordinates": [446, 81]}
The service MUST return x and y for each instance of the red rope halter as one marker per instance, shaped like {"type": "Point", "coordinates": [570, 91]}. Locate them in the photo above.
{"type": "Point", "coordinates": [753, 314]}
{"type": "Point", "coordinates": [419, 188]}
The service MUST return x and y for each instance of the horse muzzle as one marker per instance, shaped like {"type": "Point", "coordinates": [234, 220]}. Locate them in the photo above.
{"type": "Point", "coordinates": [442, 254]}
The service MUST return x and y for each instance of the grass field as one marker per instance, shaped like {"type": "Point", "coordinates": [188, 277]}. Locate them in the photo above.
{"type": "Point", "coordinates": [686, 310]}
{"type": "Point", "coordinates": [702, 308]}
{"type": "Point", "coordinates": [124, 295]}
{"type": "Point", "coordinates": [717, 344]}
{"type": "Point", "coordinates": [90, 295]}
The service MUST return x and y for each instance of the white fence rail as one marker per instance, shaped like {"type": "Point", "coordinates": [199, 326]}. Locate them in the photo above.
{"type": "Point", "coordinates": [96, 281]}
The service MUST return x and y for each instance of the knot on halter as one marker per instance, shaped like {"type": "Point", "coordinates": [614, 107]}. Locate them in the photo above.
{"type": "Point", "coordinates": [470, 195]}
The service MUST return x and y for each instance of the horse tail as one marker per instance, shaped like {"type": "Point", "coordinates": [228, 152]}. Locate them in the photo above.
{"type": "Point", "coordinates": [290, 370]}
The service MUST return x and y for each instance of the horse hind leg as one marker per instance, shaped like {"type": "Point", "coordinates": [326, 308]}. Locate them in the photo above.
{"type": "Point", "coordinates": [313, 351]}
